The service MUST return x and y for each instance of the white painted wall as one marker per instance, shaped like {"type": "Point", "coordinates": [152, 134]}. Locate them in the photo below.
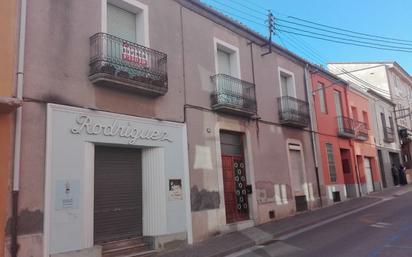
{"type": "Point", "coordinates": [70, 158]}
{"type": "Point", "coordinates": [376, 107]}
{"type": "Point", "coordinates": [395, 86]}
{"type": "Point", "coordinates": [373, 73]}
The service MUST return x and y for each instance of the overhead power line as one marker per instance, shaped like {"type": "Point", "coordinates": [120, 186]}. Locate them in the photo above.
{"type": "Point", "coordinates": [341, 38]}
{"type": "Point", "coordinates": [343, 34]}
{"type": "Point", "coordinates": [345, 42]}
{"type": "Point", "coordinates": [249, 8]}
{"type": "Point", "coordinates": [239, 10]}
{"type": "Point", "coordinates": [351, 31]}
{"type": "Point", "coordinates": [242, 18]}
{"type": "Point", "coordinates": [331, 38]}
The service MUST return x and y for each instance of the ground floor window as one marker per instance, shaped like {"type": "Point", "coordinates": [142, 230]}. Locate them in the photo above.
{"type": "Point", "coordinates": [331, 162]}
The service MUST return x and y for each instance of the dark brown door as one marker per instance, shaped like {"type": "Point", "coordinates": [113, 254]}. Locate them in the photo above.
{"type": "Point", "coordinates": [234, 179]}
{"type": "Point", "coordinates": [117, 193]}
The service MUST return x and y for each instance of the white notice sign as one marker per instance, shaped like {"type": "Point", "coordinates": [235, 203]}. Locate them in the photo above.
{"type": "Point", "coordinates": [67, 194]}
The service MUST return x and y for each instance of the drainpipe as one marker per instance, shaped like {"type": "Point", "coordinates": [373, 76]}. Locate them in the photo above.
{"type": "Point", "coordinates": [17, 141]}
{"type": "Point", "coordinates": [352, 144]}
{"type": "Point", "coordinates": [312, 129]}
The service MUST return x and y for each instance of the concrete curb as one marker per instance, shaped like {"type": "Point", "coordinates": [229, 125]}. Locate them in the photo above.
{"type": "Point", "coordinates": [266, 237]}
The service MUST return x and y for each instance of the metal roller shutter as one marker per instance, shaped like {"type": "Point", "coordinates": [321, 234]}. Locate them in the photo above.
{"type": "Point", "coordinates": [117, 193]}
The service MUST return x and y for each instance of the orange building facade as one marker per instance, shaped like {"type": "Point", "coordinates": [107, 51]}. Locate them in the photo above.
{"type": "Point", "coordinates": [347, 155]}
{"type": "Point", "coordinates": [364, 148]}
{"type": "Point", "coordinates": [8, 104]}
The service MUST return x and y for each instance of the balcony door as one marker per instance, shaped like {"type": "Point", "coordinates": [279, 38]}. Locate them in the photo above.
{"type": "Point", "coordinates": [121, 23]}
{"type": "Point", "coordinates": [338, 108]}
{"type": "Point", "coordinates": [231, 91]}
{"type": "Point", "coordinates": [287, 87]}
{"type": "Point", "coordinates": [223, 59]}
{"type": "Point", "coordinates": [126, 23]}
{"type": "Point", "coordinates": [286, 83]}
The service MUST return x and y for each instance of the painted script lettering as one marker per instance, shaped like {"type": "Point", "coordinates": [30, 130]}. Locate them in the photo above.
{"type": "Point", "coordinates": [90, 127]}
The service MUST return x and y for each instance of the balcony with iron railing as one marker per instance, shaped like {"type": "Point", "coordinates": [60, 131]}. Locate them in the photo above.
{"type": "Point", "coordinates": [233, 96]}
{"type": "Point", "coordinates": [293, 112]}
{"type": "Point", "coordinates": [388, 135]}
{"type": "Point", "coordinates": [345, 127]}
{"type": "Point", "coordinates": [361, 130]}
{"type": "Point", "coordinates": [122, 64]}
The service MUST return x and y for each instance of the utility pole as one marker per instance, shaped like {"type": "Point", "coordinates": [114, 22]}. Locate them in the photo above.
{"type": "Point", "coordinates": [271, 28]}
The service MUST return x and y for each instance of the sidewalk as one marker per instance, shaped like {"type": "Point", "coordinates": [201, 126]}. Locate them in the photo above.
{"type": "Point", "coordinates": [225, 244]}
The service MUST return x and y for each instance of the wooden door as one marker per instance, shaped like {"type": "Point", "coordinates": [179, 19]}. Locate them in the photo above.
{"type": "Point", "coordinates": [234, 179]}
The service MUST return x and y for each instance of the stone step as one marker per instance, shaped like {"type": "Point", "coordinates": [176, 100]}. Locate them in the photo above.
{"type": "Point", "coordinates": [126, 250]}
{"type": "Point", "coordinates": [148, 253]}
{"type": "Point", "coordinates": [122, 243]}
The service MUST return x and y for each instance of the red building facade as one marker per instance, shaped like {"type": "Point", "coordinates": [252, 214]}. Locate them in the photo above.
{"type": "Point", "coordinates": [347, 156]}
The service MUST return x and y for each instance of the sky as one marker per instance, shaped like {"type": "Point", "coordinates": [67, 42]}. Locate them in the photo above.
{"type": "Point", "coordinates": [384, 18]}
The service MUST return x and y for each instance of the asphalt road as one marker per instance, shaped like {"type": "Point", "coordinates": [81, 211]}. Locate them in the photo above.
{"type": "Point", "coordinates": [380, 231]}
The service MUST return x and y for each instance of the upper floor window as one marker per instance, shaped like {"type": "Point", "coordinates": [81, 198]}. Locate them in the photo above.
{"type": "Point", "coordinates": [338, 103]}
{"type": "Point", "coordinates": [322, 98]}
{"type": "Point", "coordinates": [223, 59]}
{"type": "Point", "coordinates": [227, 59]}
{"type": "Point", "coordinates": [383, 121]}
{"type": "Point", "coordinates": [365, 118]}
{"type": "Point", "coordinates": [391, 123]}
{"type": "Point", "coordinates": [127, 20]}
{"type": "Point", "coordinates": [354, 112]}
{"type": "Point", "coordinates": [287, 83]}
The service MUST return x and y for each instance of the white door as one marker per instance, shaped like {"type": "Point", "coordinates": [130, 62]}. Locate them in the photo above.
{"type": "Point", "coordinates": [121, 23]}
{"type": "Point", "coordinates": [223, 65]}
{"type": "Point", "coordinates": [233, 89]}
{"type": "Point", "coordinates": [368, 175]}
{"type": "Point", "coordinates": [338, 107]}
{"type": "Point", "coordinates": [297, 175]}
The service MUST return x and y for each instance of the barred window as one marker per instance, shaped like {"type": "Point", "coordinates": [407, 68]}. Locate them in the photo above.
{"type": "Point", "coordinates": [331, 162]}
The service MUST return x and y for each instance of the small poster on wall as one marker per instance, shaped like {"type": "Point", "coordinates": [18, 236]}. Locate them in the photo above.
{"type": "Point", "coordinates": [175, 189]}
{"type": "Point", "coordinates": [67, 194]}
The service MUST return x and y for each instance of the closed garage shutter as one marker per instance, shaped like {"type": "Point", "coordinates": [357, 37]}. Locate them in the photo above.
{"type": "Point", "coordinates": [117, 193]}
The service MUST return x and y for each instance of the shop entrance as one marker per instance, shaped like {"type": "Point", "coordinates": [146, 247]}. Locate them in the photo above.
{"type": "Point", "coordinates": [234, 177]}
{"type": "Point", "coordinates": [117, 193]}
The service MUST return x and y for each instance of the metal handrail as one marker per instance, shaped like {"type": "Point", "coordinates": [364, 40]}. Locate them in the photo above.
{"type": "Point", "coordinates": [234, 92]}
{"type": "Point", "coordinates": [126, 56]}
{"type": "Point", "coordinates": [293, 109]}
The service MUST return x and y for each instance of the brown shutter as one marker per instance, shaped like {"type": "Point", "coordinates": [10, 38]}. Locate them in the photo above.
{"type": "Point", "coordinates": [117, 193]}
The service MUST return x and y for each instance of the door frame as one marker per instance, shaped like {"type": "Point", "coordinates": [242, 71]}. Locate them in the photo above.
{"type": "Point", "coordinates": [292, 75]}
{"type": "Point", "coordinates": [248, 158]}
{"type": "Point", "coordinates": [140, 151]}
{"type": "Point", "coordinates": [297, 145]}
{"type": "Point", "coordinates": [369, 160]}
{"type": "Point", "coordinates": [382, 168]}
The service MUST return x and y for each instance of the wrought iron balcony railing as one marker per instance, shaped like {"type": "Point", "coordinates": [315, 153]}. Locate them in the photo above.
{"type": "Point", "coordinates": [350, 128]}
{"type": "Point", "coordinates": [119, 63]}
{"type": "Point", "coordinates": [345, 127]}
{"type": "Point", "coordinates": [293, 112]}
{"type": "Point", "coordinates": [388, 135]}
{"type": "Point", "coordinates": [361, 130]}
{"type": "Point", "coordinates": [233, 95]}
